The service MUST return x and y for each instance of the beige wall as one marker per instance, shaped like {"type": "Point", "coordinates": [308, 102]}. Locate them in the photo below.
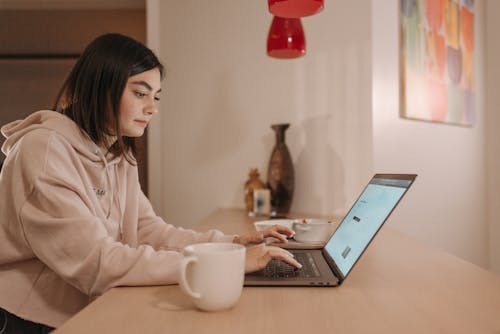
{"type": "Point", "coordinates": [493, 116]}
{"type": "Point", "coordinates": [446, 208]}
{"type": "Point", "coordinates": [222, 92]}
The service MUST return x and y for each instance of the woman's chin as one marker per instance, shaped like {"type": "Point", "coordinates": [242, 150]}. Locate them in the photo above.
{"type": "Point", "coordinates": [133, 134]}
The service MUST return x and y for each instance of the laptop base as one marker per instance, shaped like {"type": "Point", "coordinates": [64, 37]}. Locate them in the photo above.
{"type": "Point", "coordinates": [324, 279]}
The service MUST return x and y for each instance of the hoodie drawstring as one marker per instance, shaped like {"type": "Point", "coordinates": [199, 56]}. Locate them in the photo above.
{"type": "Point", "coordinates": [119, 204]}
{"type": "Point", "coordinates": [112, 195]}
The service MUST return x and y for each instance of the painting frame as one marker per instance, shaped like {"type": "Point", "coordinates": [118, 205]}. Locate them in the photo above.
{"type": "Point", "coordinates": [436, 59]}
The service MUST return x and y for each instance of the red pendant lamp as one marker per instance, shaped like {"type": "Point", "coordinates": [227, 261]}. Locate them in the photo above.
{"type": "Point", "coordinates": [286, 38]}
{"type": "Point", "coordinates": [295, 8]}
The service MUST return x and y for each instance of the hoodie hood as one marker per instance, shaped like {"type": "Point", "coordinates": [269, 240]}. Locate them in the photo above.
{"type": "Point", "coordinates": [79, 140]}
{"type": "Point", "coordinates": [52, 120]}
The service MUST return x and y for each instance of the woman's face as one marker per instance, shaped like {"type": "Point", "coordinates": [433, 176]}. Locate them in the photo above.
{"type": "Point", "coordinates": [138, 102]}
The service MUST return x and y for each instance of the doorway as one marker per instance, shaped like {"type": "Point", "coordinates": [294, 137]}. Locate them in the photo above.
{"type": "Point", "coordinates": [38, 47]}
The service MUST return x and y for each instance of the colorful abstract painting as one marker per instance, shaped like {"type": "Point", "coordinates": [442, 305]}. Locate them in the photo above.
{"type": "Point", "coordinates": [437, 60]}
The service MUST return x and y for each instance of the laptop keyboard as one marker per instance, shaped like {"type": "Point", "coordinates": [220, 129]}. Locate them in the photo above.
{"type": "Point", "coordinates": [277, 268]}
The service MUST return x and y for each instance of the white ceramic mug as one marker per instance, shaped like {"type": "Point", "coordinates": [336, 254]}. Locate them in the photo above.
{"type": "Point", "coordinates": [311, 230]}
{"type": "Point", "coordinates": [212, 274]}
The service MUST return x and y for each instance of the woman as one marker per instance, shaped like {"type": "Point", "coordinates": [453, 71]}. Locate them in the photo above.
{"type": "Point", "coordinates": [73, 219]}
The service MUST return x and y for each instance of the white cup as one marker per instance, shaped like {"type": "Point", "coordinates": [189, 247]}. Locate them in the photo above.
{"type": "Point", "coordinates": [212, 274]}
{"type": "Point", "coordinates": [311, 230]}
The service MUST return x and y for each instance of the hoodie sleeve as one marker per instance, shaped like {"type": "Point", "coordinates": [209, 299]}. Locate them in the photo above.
{"type": "Point", "coordinates": [156, 232]}
{"type": "Point", "coordinates": [63, 232]}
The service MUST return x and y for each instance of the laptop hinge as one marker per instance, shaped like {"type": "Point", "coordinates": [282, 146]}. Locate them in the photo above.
{"type": "Point", "coordinates": [331, 263]}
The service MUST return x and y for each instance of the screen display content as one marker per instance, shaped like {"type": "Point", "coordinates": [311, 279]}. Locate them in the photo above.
{"type": "Point", "coordinates": [363, 221]}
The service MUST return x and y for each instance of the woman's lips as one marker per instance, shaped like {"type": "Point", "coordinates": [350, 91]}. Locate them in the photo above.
{"type": "Point", "coordinates": [141, 122]}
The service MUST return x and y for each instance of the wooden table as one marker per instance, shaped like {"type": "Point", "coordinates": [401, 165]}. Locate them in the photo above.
{"type": "Point", "coordinates": [399, 286]}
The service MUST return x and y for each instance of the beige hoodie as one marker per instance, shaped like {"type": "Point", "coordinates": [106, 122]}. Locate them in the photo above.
{"type": "Point", "coordinates": [74, 223]}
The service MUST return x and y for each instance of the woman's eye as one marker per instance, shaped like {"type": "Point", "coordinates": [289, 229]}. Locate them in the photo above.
{"type": "Point", "coordinates": [139, 94]}
{"type": "Point", "coordinates": [157, 98]}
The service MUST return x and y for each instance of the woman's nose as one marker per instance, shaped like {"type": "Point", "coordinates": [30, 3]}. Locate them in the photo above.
{"type": "Point", "coordinates": [151, 108]}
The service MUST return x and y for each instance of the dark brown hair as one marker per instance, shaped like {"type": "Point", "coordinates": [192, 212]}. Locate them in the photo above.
{"type": "Point", "coordinates": [91, 94]}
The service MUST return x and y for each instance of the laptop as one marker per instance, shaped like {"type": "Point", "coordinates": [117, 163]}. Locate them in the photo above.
{"type": "Point", "coordinates": [329, 266]}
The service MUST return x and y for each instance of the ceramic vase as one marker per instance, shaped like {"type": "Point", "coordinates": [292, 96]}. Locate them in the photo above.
{"type": "Point", "coordinates": [280, 174]}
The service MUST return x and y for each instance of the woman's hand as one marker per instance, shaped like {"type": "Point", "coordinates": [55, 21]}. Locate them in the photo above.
{"type": "Point", "coordinates": [277, 231]}
{"type": "Point", "coordinates": [258, 256]}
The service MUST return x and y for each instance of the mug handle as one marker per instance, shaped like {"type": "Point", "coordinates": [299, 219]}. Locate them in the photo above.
{"type": "Point", "coordinates": [185, 262]}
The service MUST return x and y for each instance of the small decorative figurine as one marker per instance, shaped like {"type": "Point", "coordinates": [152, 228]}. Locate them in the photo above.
{"type": "Point", "coordinates": [253, 182]}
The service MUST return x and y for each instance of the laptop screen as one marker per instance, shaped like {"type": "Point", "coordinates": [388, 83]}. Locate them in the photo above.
{"type": "Point", "coordinates": [365, 218]}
